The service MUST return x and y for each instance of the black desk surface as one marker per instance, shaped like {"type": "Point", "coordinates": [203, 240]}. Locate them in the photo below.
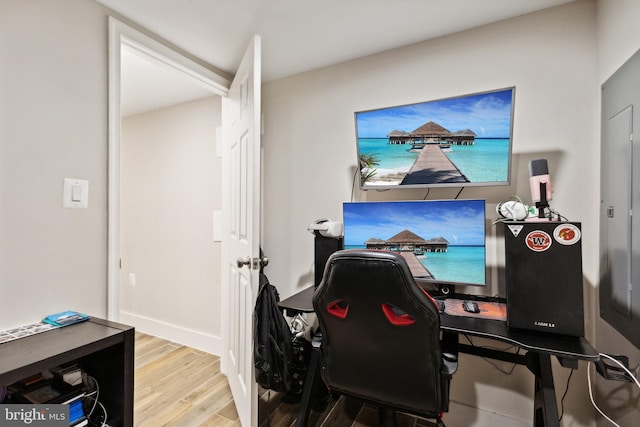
{"type": "Point", "coordinates": [557, 345]}
{"type": "Point", "coordinates": [300, 302]}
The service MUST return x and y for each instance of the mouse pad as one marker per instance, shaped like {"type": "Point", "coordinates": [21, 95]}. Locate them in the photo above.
{"type": "Point", "coordinates": [488, 310]}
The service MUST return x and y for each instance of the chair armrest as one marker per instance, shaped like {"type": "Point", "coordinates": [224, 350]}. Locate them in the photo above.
{"type": "Point", "coordinates": [449, 364]}
{"type": "Point", "coordinates": [316, 339]}
{"type": "Point", "coordinates": [449, 353]}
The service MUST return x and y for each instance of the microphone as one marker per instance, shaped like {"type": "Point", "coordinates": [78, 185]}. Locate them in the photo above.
{"type": "Point", "coordinates": [539, 181]}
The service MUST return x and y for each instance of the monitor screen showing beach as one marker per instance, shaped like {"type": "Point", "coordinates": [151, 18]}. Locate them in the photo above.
{"type": "Point", "coordinates": [462, 141]}
{"type": "Point", "coordinates": [443, 241]}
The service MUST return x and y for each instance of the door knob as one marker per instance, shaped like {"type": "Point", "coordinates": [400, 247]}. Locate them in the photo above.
{"type": "Point", "coordinates": [254, 263]}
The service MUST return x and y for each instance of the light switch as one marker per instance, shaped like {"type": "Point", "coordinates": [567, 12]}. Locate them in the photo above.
{"type": "Point", "coordinates": [75, 193]}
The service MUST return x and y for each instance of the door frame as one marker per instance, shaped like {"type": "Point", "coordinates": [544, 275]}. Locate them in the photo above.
{"type": "Point", "coordinates": [161, 54]}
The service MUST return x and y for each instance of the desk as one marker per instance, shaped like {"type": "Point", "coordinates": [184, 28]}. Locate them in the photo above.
{"type": "Point", "coordinates": [539, 350]}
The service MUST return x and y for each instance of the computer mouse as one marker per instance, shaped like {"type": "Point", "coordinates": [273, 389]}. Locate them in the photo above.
{"type": "Point", "coordinates": [470, 307]}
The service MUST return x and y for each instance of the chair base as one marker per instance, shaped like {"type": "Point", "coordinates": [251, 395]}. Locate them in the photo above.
{"type": "Point", "coordinates": [387, 417]}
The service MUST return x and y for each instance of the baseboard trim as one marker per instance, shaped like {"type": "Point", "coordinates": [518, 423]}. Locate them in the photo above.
{"type": "Point", "coordinates": [178, 334]}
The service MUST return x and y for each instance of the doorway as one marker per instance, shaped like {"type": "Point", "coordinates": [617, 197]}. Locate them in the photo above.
{"type": "Point", "coordinates": [163, 166]}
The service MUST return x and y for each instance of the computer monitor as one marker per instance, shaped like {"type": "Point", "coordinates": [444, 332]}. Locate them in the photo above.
{"type": "Point", "coordinates": [442, 240]}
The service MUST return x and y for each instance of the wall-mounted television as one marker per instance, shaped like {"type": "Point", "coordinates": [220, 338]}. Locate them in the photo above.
{"type": "Point", "coordinates": [442, 240]}
{"type": "Point", "coordinates": [453, 142]}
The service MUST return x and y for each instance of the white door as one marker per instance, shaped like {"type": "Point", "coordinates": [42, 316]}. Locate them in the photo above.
{"type": "Point", "coordinates": [618, 197]}
{"type": "Point", "coordinates": [241, 207]}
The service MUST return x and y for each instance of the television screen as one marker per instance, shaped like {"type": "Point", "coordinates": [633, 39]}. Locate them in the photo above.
{"type": "Point", "coordinates": [442, 240]}
{"type": "Point", "coordinates": [462, 141]}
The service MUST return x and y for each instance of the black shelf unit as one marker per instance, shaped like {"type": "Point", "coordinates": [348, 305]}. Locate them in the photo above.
{"type": "Point", "coordinates": [104, 349]}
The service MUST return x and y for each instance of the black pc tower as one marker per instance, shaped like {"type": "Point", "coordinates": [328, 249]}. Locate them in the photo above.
{"type": "Point", "coordinates": [543, 272]}
{"type": "Point", "coordinates": [324, 247]}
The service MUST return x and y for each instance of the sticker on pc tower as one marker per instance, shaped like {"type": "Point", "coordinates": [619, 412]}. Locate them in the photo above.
{"type": "Point", "coordinates": [567, 234]}
{"type": "Point", "coordinates": [515, 229]}
{"type": "Point", "coordinates": [538, 241]}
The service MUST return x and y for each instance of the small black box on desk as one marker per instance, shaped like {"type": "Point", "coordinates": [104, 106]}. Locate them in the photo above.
{"type": "Point", "coordinates": [543, 272]}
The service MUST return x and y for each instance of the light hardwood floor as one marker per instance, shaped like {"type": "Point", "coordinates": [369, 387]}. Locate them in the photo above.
{"type": "Point", "coordinates": [342, 412]}
{"type": "Point", "coordinates": [178, 386]}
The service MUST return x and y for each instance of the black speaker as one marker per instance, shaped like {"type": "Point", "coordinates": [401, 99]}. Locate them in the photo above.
{"type": "Point", "coordinates": [324, 247]}
{"type": "Point", "coordinates": [543, 272]}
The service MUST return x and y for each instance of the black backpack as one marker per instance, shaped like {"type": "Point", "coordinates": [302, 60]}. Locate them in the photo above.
{"type": "Point", "coordinates": [272, 354]}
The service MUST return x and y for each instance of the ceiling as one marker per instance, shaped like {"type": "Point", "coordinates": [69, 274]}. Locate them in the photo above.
{"type": "Point", "coordinates": [302, 35]}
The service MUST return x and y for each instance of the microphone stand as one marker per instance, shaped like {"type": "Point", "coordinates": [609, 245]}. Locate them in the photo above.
{"type": "Point", "coordinates": [543, 203]}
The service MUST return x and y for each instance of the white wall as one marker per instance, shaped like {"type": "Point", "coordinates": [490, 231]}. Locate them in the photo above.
{"type": "Point", "coordinates": [53, 124]}
{"type": "Point", "coordinates": [170, 187]}
{"type": "Point", "coordinates": [618, 40]}
{"type": "Point", "coordinates": [309, 149]}
{"type": "Point", "coordinates": [618, 34]}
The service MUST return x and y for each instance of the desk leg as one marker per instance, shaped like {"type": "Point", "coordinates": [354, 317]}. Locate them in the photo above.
{"type": "Point", "coordinates": [544, 403]}
{"type": "Point", "coordinates": [307, 390]}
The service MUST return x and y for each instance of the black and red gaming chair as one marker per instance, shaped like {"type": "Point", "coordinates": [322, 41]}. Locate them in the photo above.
{"type": "Point", "coordinates": [381, 336]}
